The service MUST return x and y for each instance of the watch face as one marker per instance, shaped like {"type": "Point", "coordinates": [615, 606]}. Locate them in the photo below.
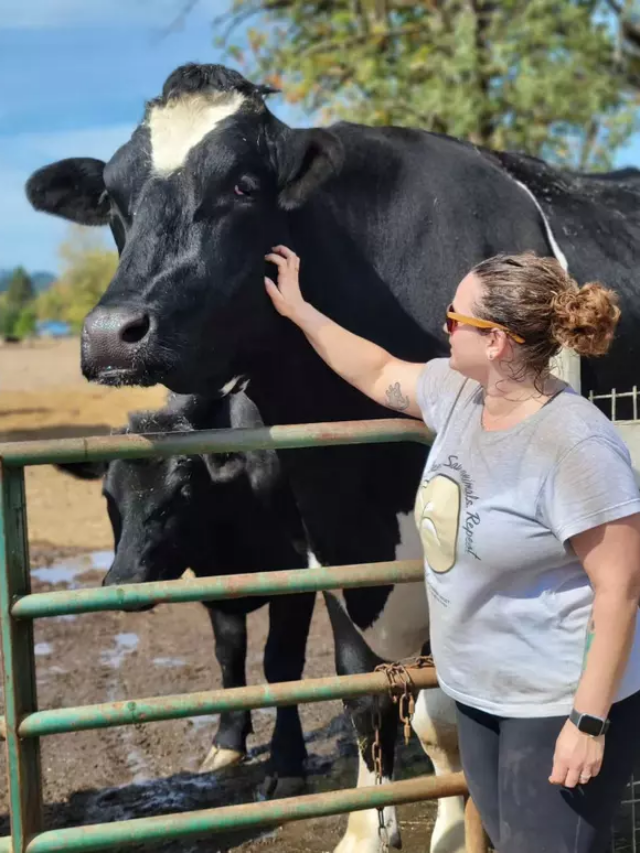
{"type": "Point", "coordinates": [590, 725]}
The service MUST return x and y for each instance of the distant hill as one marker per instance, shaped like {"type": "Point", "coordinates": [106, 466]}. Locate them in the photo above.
{"type": "Point", "coordinates": [41, 280]}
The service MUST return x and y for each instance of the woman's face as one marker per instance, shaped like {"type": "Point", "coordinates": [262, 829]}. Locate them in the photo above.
{"type": "Point", "coordinates": [472, 349]}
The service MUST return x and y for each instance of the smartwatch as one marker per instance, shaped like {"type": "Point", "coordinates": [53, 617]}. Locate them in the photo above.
{"type": "Point", "coordinates": [589, 724]}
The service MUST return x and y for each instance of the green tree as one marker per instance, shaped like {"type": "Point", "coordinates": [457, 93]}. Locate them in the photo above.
{"type": "Point", "coordinates": [20, 290]}
{"type": "Point", "coordinates": [9, 314]}
{"type": "Point", "coordinates": [25, 323]}
{"type": "Point", "coordinates": [87, 269]}
{"type": "Point", "coordinates": [555, 79]}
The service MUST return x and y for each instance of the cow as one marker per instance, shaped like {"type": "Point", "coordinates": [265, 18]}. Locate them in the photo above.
{"type": "Point", "coordinates": [386, 221]}
{"type": "Point", "coordinates": [217, 514]}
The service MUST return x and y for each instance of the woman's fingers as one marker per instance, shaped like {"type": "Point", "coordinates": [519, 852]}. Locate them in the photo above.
{"type": "Point", "coordinates": [278, 260]}
{"type": "Point", "coordinates": [276, 297]}
{"type": "Point", "coordinates": [558, 773]}
{"type": "Point", "coordinates": [285, 251]}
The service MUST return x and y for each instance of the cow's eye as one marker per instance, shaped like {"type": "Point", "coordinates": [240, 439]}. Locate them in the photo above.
{"type": "Point", "coordinates": [245, 187]}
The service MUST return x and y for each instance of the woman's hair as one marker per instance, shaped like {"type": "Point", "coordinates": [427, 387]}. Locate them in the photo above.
{"type": "Point", "coordinates": [537, 299]}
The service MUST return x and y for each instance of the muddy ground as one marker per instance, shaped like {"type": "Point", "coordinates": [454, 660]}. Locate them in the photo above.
{"type": "Point", "coordinates": [140, 771]}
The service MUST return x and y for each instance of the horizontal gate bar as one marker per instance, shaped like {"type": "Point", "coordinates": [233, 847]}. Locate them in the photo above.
{"type": "Point", "coordinates": [101, 836]}
{"type": "Point", "coordinates": [109, 447]}
{"type": "Point", "coordinates": [133, 711]}
{"type": "Point", "coordinates": [42, 604]}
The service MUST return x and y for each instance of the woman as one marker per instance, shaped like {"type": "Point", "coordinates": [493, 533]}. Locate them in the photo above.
{"type": "Point", "coordinates": [530, 519]}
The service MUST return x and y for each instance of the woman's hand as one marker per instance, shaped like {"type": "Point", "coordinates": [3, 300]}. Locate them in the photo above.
{"type": "Point", "coordinates": [577, 757]}
{"type": "Point", "coordinates": [286, 297]}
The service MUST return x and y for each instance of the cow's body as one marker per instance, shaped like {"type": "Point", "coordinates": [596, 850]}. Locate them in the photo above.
{"type": "Point", "coordinates": [217, 514]}
{"type": "Point", "coordinates": [386, 221]}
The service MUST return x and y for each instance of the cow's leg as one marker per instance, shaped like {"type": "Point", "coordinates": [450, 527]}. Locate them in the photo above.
{"type": "Point", "coordinates": [363, 834]}
{"type": "Point", "coordinates": [284, 657]}
{"type": "Point", "coordinates": [353, 656]}
{"type": "Point", "coordinates": [434, 722]}
{"type": "Point", "coordinates": [230, 741]}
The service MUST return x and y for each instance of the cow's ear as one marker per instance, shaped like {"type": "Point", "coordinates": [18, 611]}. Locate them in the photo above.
{"type": "Point", "coordinates": [84, 470]}
{"type": "Point", "coordinates": [73, 189]}
{"type": "Point", "coordinates": [306, 159]}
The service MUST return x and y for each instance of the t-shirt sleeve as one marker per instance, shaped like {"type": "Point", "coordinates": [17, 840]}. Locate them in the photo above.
{"type": "Point", "coordinates": [591, 484]}
{"type": "Point", "coordinates": [438, 388]}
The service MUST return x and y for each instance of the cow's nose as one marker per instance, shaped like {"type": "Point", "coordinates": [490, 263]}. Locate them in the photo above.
{"type": "Point", "coordinates": [113, 336]}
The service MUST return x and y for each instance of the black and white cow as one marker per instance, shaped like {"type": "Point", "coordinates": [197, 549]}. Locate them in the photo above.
{"type": "Point", "coordinates": [386, 221]}
{"type": "Point", "coordinates": [217, 514]}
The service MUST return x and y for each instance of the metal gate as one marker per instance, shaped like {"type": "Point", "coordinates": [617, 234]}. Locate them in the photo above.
{"type": "Point", "coordinates": [23, 725]}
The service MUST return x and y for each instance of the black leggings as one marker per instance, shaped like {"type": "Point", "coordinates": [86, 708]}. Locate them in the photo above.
{"type": "Point", "coordinates": [508, 762]}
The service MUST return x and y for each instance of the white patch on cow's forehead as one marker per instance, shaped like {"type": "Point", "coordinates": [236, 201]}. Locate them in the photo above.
{"type": "Point", "coordinates": [184, 122]}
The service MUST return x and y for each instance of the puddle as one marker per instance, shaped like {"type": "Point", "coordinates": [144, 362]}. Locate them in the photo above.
{"type": "Point", "coordinates": [124, 645]}
{"type": "Point", "coordinates": [41, 649]}
{"type": "Point", "coordinates": [66, 572]}
{"type": "Point", "coordinates": [169, 662]}
{"type": "Point", "coordinates": [205, 721]}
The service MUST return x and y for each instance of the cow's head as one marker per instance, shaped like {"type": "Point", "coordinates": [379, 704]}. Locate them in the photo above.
{"type": "Point", "coordinates": [160, 509]}
{"type": "Point", "coordinates": [195, 199]}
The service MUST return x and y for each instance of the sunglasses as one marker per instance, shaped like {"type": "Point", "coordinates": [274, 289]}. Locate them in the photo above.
{"type": "Point", "coordinates": [453, 320]}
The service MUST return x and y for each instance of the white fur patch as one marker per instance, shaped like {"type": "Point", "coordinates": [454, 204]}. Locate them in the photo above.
{"type": "Point", "coordinates": [362, 834]}
{"type": "Point", "coordinates": [312, 561]}
{"type": "Point", "coordinates": [238, 383]}
{"type": "Point", "coordinates": [402, 628]}
{"type": "Point", "coordinates": [566, 364]}
{"type": "Point", "coordinates": [182, 123]}
{"type": "Point", "coordinates": [434, 722]}
{"type": "Point", "coordinates": [555, 248]}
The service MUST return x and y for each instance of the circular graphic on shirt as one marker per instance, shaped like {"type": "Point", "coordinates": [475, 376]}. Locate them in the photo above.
{"type": "Point", "coordinates": [437, 513]}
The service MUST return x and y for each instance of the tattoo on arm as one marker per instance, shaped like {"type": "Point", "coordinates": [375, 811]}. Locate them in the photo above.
{"type": "Point", "coordinates": [591, 632]}
{"type": "Point", "coordinates": [396, 399]}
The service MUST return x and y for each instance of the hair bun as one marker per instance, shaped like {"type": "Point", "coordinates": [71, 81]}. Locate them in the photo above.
{"type": "Point", "coordinates": [585, 319]}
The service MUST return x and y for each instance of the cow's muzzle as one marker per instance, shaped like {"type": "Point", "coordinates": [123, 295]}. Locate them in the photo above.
{"type": "Point", "coordinates": [113, 343]}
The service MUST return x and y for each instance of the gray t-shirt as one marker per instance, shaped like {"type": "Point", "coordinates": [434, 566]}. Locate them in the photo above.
{"type": "Point", "coordinates": [509, 601]}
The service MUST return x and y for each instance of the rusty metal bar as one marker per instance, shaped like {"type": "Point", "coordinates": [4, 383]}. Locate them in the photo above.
{"type": "Point", "coordinates": [102, 836]}
{"type": "Point", "coordinates": [217, 588]}
{"type": "Point", "coordinates": [18, 663]}
{"type": "Point", "coordinates": [134, 711]}
{"type": "Point", "coordinates": [291, 436]}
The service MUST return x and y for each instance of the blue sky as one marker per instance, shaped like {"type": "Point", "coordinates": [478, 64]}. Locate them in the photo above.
{"type": "Point", "coordinates": [74, 75]}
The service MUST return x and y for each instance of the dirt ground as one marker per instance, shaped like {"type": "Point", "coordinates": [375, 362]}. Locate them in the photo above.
{"type": "Point", "coordinates": [128, 772]}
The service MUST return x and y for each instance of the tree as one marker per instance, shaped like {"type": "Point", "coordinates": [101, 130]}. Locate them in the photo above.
{"type": "Point", "coordinates": [25, 323]}
{"type": "Point", "coordinates": [20, 291]}
{"type": "Point", "coordinates": [558, 80]}
{"type": "Point", "coordinates": [87, 269]}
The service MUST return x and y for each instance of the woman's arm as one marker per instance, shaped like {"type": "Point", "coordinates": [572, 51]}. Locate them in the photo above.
{"type": "Point", "coordinates": [389, 381]}
{"type": "Point", "coordinates": [610, 554]}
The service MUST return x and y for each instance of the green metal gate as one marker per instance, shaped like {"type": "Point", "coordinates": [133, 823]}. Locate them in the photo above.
{"type": "Point", "coordinates": [23, 725]}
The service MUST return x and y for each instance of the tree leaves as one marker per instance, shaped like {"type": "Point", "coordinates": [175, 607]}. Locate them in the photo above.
{"type": "Point", "coordinates": [558, 80]}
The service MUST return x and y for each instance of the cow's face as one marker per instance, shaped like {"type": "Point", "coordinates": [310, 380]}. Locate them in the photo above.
{"type": "Point", "coordinates": [159, 511]}
{"type": "Point", "coordinates": [195, 199]}
{"type": "Point", "coordinates": [153, 506]}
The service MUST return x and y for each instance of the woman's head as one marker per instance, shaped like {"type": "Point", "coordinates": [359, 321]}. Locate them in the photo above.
{"type": "Point", "coordinates": [540, 309]}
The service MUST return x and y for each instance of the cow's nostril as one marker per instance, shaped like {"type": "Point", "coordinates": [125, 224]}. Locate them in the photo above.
{"type": "Point", "coordinates": [135, 330]}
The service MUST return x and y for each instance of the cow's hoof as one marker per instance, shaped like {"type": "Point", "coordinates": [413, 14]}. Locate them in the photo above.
{"type": "Point", "coordinates": [277, 788]}
{"type": "Point", "coordinates": [219, 758]}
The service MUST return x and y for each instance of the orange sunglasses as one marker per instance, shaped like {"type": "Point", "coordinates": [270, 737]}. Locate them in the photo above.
{"type": "Point", "coordinates": [454, 320]}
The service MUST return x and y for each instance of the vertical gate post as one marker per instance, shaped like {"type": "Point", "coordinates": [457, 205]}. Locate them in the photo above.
{"type": "Point", "coordinates": [18, 662]}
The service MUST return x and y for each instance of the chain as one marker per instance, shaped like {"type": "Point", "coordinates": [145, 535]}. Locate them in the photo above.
{"type": "Point", "coordinates": [403, 694]}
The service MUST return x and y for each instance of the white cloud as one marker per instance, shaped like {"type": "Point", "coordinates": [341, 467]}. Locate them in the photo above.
{"type": "Point", "coordinates": [89, 13]}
